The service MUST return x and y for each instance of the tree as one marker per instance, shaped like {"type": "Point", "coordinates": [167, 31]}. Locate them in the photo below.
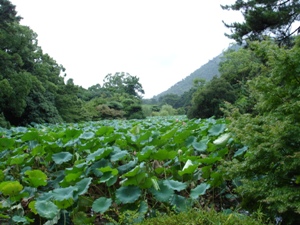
{"type": "Point", "coordinates": [169, 99]}
{"type": "Point", "coordinates": [264, 17]}
{"type": "Point", "coordinates": [29, 79]}
{"type": "Point", "coordinates": [8, 14]}
{"type": "Point", "coordinates": [269, 167]}
{"type": "Point", "coordinates": [69, 106]}
{"type": "Point", "coordinates": [208, 99]}
{"type": "Point", "coordinates": [237, 68]}
{"type": "Point", "coordinates": [123, 83]}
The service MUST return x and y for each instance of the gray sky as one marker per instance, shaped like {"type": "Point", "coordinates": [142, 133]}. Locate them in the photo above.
{"type": "Point", "coordinates": [159, 41]}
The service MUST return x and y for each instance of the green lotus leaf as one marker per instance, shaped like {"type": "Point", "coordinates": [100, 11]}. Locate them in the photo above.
{"type": "Point", "coordinates": [64, 204]}
{"type": "Point", "coordinates": [99, 154]}
{"type": "Point", "coordinates": [128, 194]}
{"type": "Point", "coordinates": [18, 159]}
{"type": "Point", "coordinates": [21, 129]}
{"type": "Point", "coordinates": [2, 216]}
{"type": "Point", "coordinates": [188, 168]}
{"type": "Point", "coordinates": [72, 133]}
{"type": "Point", "coordinates": [21, 219]}
{"type": "Point", "coordinates": [46, 209]}
{"type": "Point", "coordinates": [104, 130]}
{"type": "Point", "coordinates": [126, 167]}
{"type": "Point", "coordinates": [137, 180]}
{"type": "Point", "coordinates": [199, 190]}
{"type": "Point", "coordinates": [145, 153]}
{"type": "Point", "coordinates": [145, 138]}
{"type": "Point", "coordinates": [132, 172]}
{"type": "Point", "coordinates": [2, 176]}
{"type": "Point", "coordinates": [118, 155]}
{"type": "Point", "coordinates": [83, 186]}
{"type": "Point", "coordinates": [72, 176]}
{"type": "Point", "coordinates": [106, 177]}
{"type": "Point", "coordinates": [87, 135]}
{"type": "Point", "coordinates": [217, 129]}
{"type": "Point", "coordinates": [163, 194]}
{"type": "Point", "coordinates": [38, 150]}
{"type": "Point", "coordinates": [36, 178]}
{"type": "Point", "coordinates": [210, 160]}
{"type": "Point", "coordinates": [31, 206]}
{"type": "Point", "coordinates": [180, 137]}
{"type": "Point", "coordinates": [112, 181]}
{"type": "Point", "coordinates": [189, 141]}
{"type": "Point", "coordinates": [175, 185]}
{"type": "Point", "coordinates": [113, 171]}
{"type": "Point", "coordinates": [31, 135]}
{"type": "Point", "coordinates": [169, 134]}
{"type": "Point", "coordinates": [240, 151]}
{"type": "Point", "coordinates": [135, 130]}
{"type": "Point", "coordinates": [61, 194]}
{"type": "Point", "coordinates": [200, 146]}
{"type": "Point", "coordinates": [181, 203]}
{"type": "Point", "coordinates": [46, 196]}
{"type": "Point", "coordinates": [10, 188]}
{"type": "Point", "coordinates": [62, 157]}
{"type": "Point", "coordinates": [164, 154]}
{"type": "Point", "coordinates": [6, 143]}
{"type": "Point", "coordinates": [101, 205]}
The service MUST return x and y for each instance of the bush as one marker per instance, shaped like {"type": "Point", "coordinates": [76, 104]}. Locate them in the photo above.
{"type": "Point", "coordinates": [198, 217]}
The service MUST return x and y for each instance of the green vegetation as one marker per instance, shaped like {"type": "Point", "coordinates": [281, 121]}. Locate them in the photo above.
{"type": "Point", "coordinates": [66, 159]}
{"type": "Point", "coordinates": [209, 217]}
{"type": "Point", "coordinates": [269, 169]}
{"type": "Point", "coordinates": [93, 171]}
{"type": "Point", "coordinates": [265, 18]}
{"type": "Point", "coordinates": [33, 89]}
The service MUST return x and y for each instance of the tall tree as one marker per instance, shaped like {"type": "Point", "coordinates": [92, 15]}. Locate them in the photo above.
{"type": "Point", "coordinates": [123, 82]}
{"type": "Point", "coordinates": [8, 13]}
{"type": "Point", "coordinates": [269, 167]}
{"type": "Point", "coordinates": [29, 79]}
{"type": "Point", "coordinates": [208, 99]}
{"type": "Point", "coordinates": [264, 17]}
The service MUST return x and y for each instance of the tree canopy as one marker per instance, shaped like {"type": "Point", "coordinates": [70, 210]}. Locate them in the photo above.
{"type": "Point", "coordinates": [267, 17]}
{"type": "Point", "coordinates": [123, 82]}
{"type": "Point", "coordinates": [33, 88]}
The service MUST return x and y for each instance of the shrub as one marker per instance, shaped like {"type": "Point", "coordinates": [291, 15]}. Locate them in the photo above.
{"type": "Point", "coordinates": [198, 217]}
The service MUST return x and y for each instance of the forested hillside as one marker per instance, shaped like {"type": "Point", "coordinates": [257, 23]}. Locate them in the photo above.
{"type": "Point", "coordinates": [34, 90]}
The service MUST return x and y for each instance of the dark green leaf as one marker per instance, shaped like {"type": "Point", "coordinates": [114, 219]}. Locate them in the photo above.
{"type": "Point", "coordinates": [128, 194]}
{"type": "Point", "coordinates": [101, 204]}
{"type": "Point", "coordinates": [217, 129]}
{"type": "Point", "coordinates": [175, 185]}
{"type": "Point", "coordinates": [46, 209]}
{"type": "Point", "coordinates": [62, 157]}
{"type": "Point", "coordinates": [199, 190]}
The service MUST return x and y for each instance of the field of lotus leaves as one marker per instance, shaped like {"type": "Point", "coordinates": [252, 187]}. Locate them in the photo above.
{"type": "Point", "coordinates": [97, 172]}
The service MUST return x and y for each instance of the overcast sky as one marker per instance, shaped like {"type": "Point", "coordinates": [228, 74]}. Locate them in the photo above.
{"type": "Point", "coordinates": [159, 41]}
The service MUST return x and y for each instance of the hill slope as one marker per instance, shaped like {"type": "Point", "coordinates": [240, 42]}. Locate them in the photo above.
{"type": "Point", "coordinates": [207, 72]}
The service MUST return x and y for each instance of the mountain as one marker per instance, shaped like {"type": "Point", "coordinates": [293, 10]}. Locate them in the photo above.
{"type": "Point", "coordinates": [206, 71]}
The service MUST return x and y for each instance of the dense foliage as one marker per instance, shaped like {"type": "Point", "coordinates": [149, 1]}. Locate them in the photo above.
{"type": "Point", "coordinates": [267, 17]}
{"type": "Point", "coordinates": [102, 171]}
{"type": "Point", "coordinates": [269, 169]}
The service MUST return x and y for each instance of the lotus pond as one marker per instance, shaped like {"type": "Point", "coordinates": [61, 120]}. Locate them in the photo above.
{"type": "Point", "coordinates": [97, 172]}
